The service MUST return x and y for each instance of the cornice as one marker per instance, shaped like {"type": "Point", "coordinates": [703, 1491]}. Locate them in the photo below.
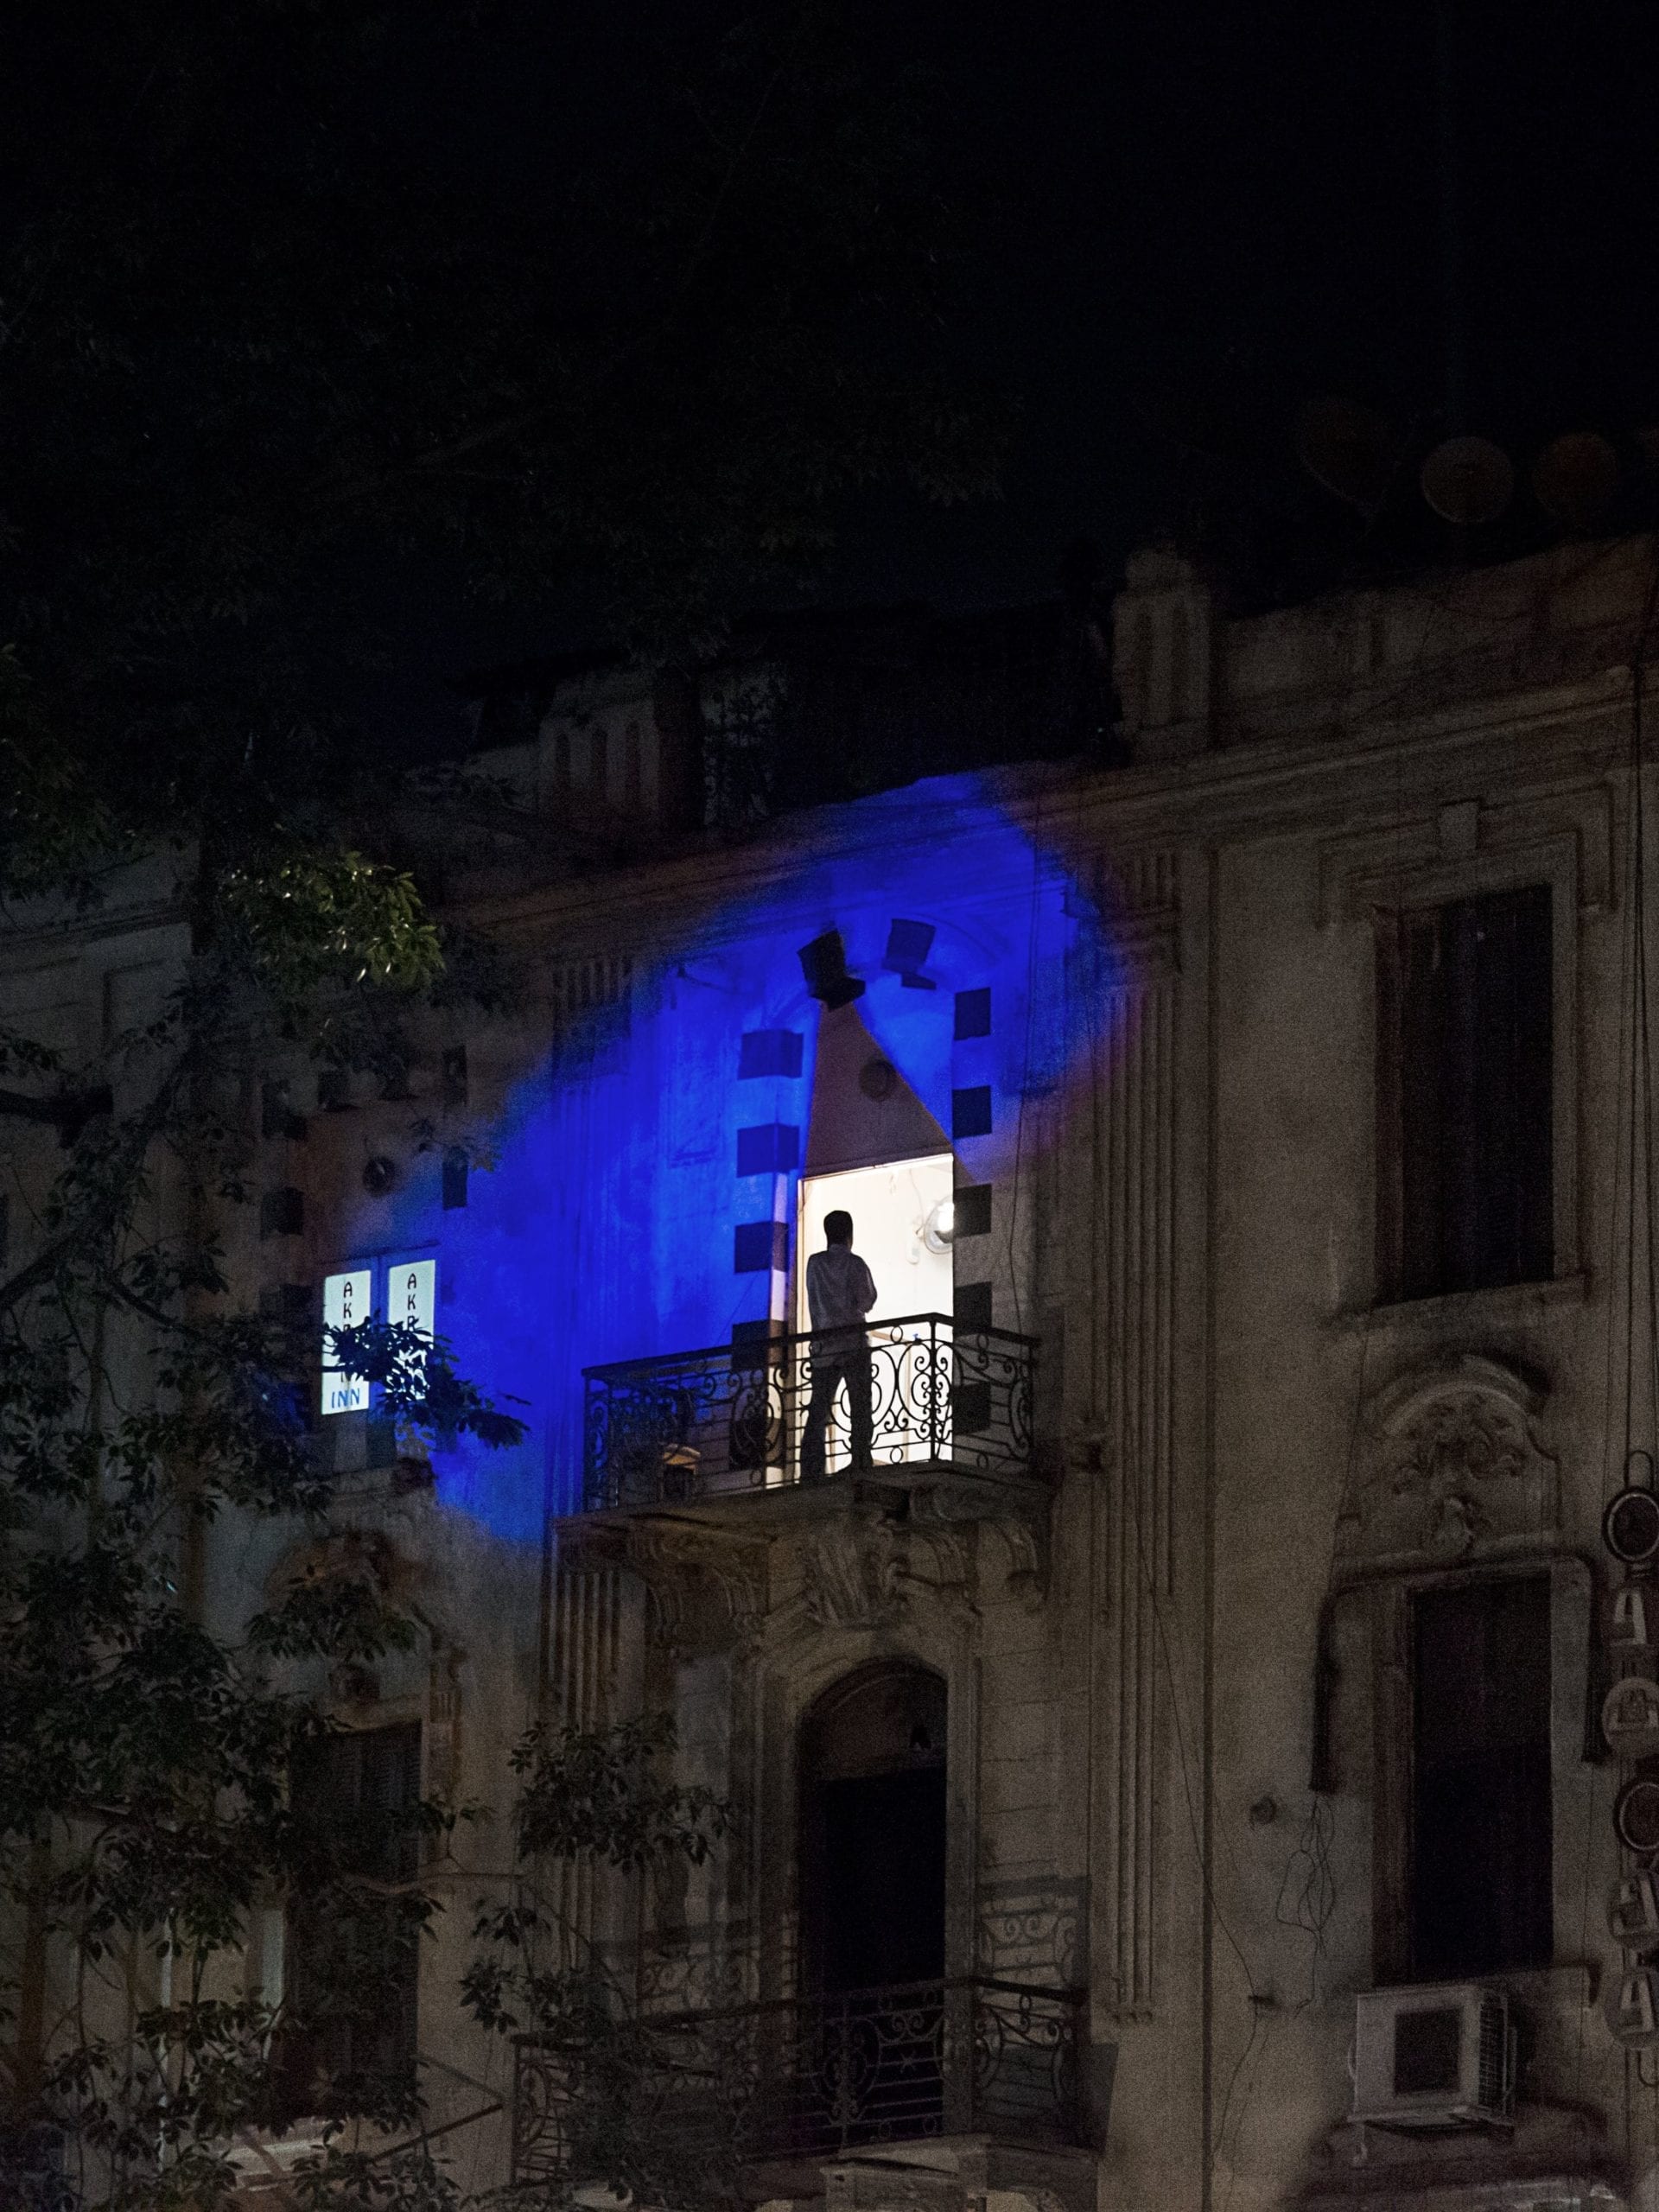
{"type": "Point", "coordinates": [1351, 772]}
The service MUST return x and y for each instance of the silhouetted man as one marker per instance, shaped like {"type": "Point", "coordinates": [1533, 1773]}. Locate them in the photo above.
{"type": "Point", "coordinates": [840, 1292]}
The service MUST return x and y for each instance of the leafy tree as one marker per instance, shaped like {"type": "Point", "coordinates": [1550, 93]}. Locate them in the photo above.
{"type": "Point", "coordinates": [144, 1753]}
{"type": "Point", "coordinates": [316, 323]}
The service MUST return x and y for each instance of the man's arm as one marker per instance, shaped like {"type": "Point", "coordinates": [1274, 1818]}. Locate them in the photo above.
{"type": "Point", "coordinates": [866, 1295]}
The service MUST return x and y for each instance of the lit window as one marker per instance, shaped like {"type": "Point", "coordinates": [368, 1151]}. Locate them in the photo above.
{"type": "Point", "coordinates": [346, 1304]}
{"type": "Point", "coordinates": [401, 1292]}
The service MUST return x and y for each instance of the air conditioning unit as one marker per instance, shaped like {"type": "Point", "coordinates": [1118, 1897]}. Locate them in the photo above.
{"type": "Point", "coordinates": [264, 2160]}
{"type": "Point", "coordinates": [1440, 2055]}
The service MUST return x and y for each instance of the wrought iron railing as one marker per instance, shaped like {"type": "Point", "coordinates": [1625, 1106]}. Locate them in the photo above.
{"type": "Point", "coordinates": [818, 2077]}
{"type": "Point", "coordinates": [769, 1412]}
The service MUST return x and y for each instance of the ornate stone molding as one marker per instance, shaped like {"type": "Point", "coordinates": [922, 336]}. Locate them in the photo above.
{"type": "Point", "coordinates": [851, 1572]}
{"type": "Point", "coordinates": [1164, 643]}
{"type": "Point", "coordinates": [1450, 1468]}
{"type": "Point", "coordinates": [958, 1531]}
{"type": "Point", "coordinates": [709, 1589]}
{"type": "Point", "coordinates": [864, 1569]}
{"type": "Point", "coordinates": [1565, 839]}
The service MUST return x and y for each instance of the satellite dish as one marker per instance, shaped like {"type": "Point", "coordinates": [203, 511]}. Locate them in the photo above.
{"type": "Point", "coordinates": [1348, 447]}
{"type": "Point", "coordinates": [1468, 481]}
{"type": "Point", "coordinates": [1575, 478]}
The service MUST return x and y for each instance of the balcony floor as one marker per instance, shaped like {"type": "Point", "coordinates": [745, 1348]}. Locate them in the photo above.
{"type": "Point", "coordinates": [967, 1492]}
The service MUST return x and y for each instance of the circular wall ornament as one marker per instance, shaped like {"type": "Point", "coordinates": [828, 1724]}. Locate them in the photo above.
{"type": "Point", "coordinates": [1636, 1815]}
{"type": "Point", "coordinates": [878, 1079]}
{"type": "Point", "coordinates": [1629, 1526]}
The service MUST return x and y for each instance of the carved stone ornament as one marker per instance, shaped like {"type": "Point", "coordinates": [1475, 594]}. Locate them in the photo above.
{"type": "Point", "coordinates": [958, 1532]}
{"type": "Point", "coordinates": [1451, 1467]}
{"type": "Point", "coordinates": [709, 1589]}
{"type": "Point", "coordinates": [863, 1568]}
{"type": "Point", "coordinates": [851, 1572]}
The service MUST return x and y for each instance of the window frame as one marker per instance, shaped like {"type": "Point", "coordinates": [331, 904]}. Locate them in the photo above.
{"type": "Point", "coordinates": [379, 1266]}
{"type": "Point", "coordinates": [1551, 863]}
{"type": "Point", "coordinates": [1391, 1235]}
{"type": "Point", "coordinates": [304, 2051]}
{"type": "Point", "coordinates": [1392, 1612]}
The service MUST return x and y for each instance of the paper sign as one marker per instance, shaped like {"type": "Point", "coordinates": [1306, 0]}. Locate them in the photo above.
{"type": "Point", "coordinates": [412, 1295]}
{"type": "Point", "coordinates": [347, 1303]}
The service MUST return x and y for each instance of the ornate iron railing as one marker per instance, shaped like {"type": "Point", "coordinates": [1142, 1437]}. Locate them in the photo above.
{"type": "Point", "coordinates": [818, 2077]}
{"type": "Point", "coordinates": [767, 1413]}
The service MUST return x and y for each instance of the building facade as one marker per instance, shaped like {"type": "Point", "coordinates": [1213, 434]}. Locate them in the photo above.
{"type": "Point", "coordinates": [1175, 1753]}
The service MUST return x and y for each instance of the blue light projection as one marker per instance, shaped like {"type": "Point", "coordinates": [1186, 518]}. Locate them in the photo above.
{"type": "Point", "coordinates": [606, 1228]}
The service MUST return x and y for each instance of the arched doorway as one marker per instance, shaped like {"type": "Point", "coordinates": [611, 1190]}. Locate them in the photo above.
{"type": "Point", "coordinates": [873, 1831]}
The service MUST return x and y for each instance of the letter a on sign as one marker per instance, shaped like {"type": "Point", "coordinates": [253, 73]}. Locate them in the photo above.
{"type": "Point", "coordinates": [1632, 2006]}
{"type": "Point", "coordinates": [1633, 1913]}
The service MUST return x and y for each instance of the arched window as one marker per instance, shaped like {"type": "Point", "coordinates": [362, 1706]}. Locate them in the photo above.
{"type": "Point", "coordinates": [873, 1831]}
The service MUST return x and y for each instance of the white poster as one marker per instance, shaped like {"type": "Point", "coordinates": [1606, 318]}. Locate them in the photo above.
{"type": "Point", "coordinates": [346, 1304]}
{"type": "Point", "coordinates": [412, 1295]}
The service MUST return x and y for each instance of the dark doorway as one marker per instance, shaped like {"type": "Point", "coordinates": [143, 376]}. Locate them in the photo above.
{"type": "Point", "coordinates": [1480, 1797]}
{"type": "Point", "coordinates": [873, 1832]}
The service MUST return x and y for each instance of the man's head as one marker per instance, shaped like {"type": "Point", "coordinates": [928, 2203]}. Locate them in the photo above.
{"type": "Point", "coordinates": [838, 1228]}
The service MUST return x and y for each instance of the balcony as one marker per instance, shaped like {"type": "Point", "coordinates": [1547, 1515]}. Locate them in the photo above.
{"type": "Point", "coordinates": [695, 1432]}
{"type": "Point", "coordinates": [809, 2079]}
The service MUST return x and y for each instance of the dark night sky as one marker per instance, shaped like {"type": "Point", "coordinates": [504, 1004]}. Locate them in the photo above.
{"type": "Point", "coordinates": [1183, 222]}
{"type": "Point", "coordinates": [1180, 223]}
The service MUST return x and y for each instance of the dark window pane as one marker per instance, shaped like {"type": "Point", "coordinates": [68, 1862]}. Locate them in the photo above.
{"type": "Point", "coordinates": [1464, 1137]}
{"type": "Point", "coordinates": [353, 1957]}
{"type": "Point", "coordinates": [1480, 1798]}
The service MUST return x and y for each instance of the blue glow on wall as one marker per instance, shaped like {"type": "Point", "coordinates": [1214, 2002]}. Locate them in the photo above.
{"type": "Point", "coordinates": [606, 1228]}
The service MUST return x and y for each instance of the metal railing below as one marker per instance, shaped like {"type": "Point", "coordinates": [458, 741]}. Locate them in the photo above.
{"type": "Point", "coordinates": [771, 1412]}
{"type": "Point", "coordinates": [819, 2076]}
